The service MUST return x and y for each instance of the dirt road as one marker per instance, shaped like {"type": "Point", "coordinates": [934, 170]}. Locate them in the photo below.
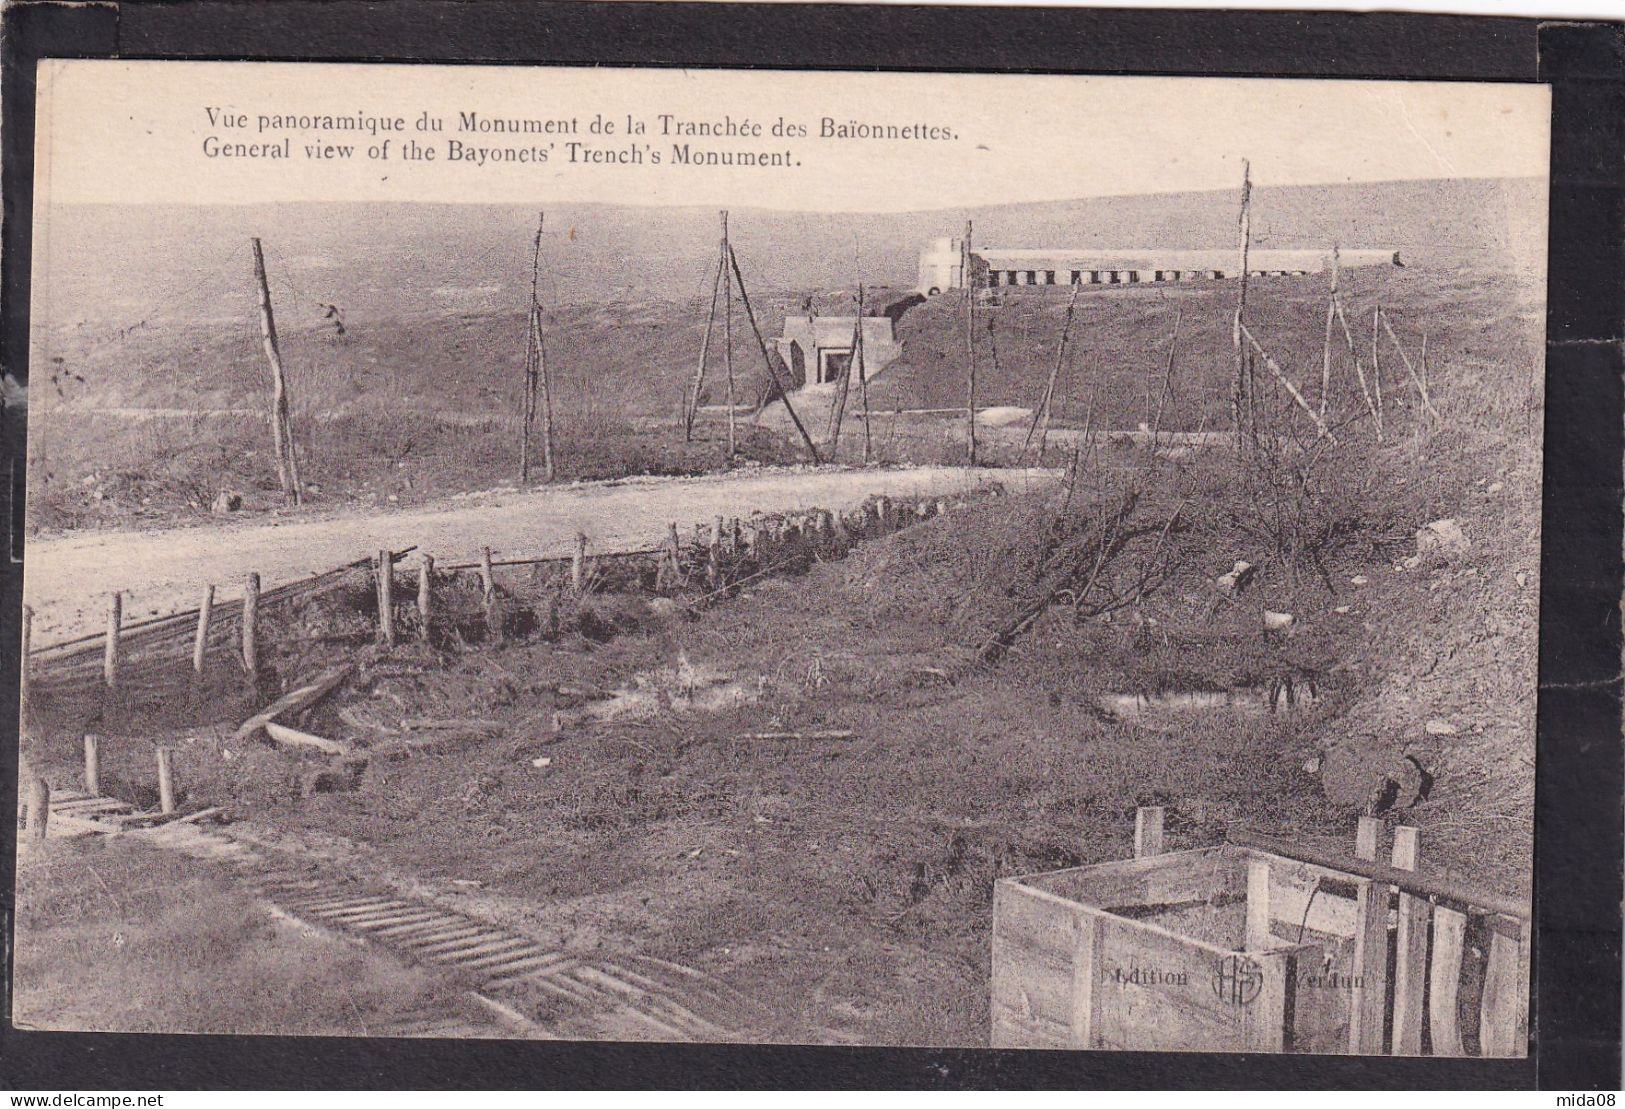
{"type": "Point", "coordinates": [68, 578]}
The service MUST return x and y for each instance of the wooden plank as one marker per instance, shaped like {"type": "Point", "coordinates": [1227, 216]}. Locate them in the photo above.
{"type": "Point", "coordinates": [1498, 1013]}
{"type": "Point", "coordinates": [1369, 1002]}
{"type": "Point", "coordinates": [1299, 903]}
{"type": "Point", "coordinates": [1444, 980]}
{"type": "Point", "coordinates": [1086, 967]}
{"type": "Point", "coordinates": [1200, 875]}
{"type": "Point", "coordinates": [1410, 953]}
{"type": "Point", "coordinates": [1264, 1018]}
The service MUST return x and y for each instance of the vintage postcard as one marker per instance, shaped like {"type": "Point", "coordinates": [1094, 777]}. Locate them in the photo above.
{"type": "Point", "coordinates": [801, 557]}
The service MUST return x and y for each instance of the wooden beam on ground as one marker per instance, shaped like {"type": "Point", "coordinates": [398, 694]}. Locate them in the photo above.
{"type": "Point", "coordinates": [297, 700]}
{"type": "Point", "coordinates": [292, 737]}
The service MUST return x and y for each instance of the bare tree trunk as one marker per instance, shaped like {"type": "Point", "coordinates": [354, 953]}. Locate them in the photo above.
{"type": "Point", "coordinates": [287, 466]}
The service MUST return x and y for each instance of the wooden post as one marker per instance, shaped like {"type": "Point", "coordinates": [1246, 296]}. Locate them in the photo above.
{"type": "Point", "coordinates": [93, 764]}
{"type": "Point", "coordinates": [1410, 953]}
{"type": "Point", "coordinates": [425, 595]}
{"type": "Point", "coordinates": [287, 465]}
{"type": "Point", "coordinates": [713, 561]}
{"type": "Point", "coordinates": [1257, 931]}
{"type": "Point", "coordinates": [675, 550]}
{"type": "Point", "coordinates": [488, 596]}
{"type": "Point", "coordinates": [39, 809]}
{"type": "Point", "coordinates": [772, 372]}
{"type": "Point", "coordinates": [200, 645]}
{"type": "Point", "coordinates": [1370, 964]}
{"type": "Point", "coordinates": [386, 599]}
{"type": "Point", "coordinates": [578, 563]}
{"type": "Point", "coordinates": [166, 782]}
{"type": "Point", "coordinates": [1326, 349]}
{"type": "Point", "coordinates": [1148, 830]}
{"type": "Point", "coordinates": [970, 347]}
{"type": "Point", "coordinates": [251, 608]}
{"type": "Point", "coordinates": [1239, 384]}
{"type": "Point", "coordinates": [115, 616]}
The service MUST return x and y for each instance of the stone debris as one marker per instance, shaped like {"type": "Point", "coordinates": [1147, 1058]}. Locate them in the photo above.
{"type": "Point", "coordinates": [225, 502]}
{"type": "Point", "coordinates": [1442, 539]}
{"type": "Point", "coordinates": [1236, 580]}
{"type": "Point", "coordinates": [1439, 727]}
{"type": "Point", "coordinates": [1277, 621]}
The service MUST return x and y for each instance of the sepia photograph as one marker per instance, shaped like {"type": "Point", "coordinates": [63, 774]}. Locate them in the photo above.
{"type": "Point", "coordinates": [950, 560]}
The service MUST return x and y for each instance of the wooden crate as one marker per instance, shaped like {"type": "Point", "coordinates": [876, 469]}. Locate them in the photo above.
{"type": "Point", "coordinates": [1239, 948]}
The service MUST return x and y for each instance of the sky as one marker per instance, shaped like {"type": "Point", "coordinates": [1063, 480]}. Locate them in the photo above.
{"type": "Point", "coordinates": [140, 132]}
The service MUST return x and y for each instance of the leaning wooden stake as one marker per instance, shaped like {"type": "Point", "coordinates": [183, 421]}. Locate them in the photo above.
{"type": "Point", "coordinates": [1376, 368]}
{"type": "Point", "coordinates": [1280, 375]}
{"type": "Point", "coordinates": [1354, 355]}
{"type": "Point", "coordinates": [287, 463]}
{"type": "Point", "coordinates": [166, 782]}
{"type": "Point", "coordinates": [778, 386]}
{"type": "Point", "coordinates": [115, 615]}
{"type": "Point", "coordinates": [691, 402]}
{"type": "Point", "coordinates": [536, 375]}
{"type": "Point", "coordinates": [1239, 383]}
{"type": "Point", "coordinates": [1416, 380]}
{"type": "Point", "coordinates": [200, 644]}
{"type": "Point", "coordinates": [837, 412]}
{"type": "Point", "coordinates": [728, 343]}
{"type": "Point", "coordinates": [251, 608]}
{"type": "Point", "coordinates": [1040, 424]}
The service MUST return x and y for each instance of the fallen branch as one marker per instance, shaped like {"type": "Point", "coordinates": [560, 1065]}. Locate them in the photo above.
{"type": "Point", "coordinates": [838, 733]}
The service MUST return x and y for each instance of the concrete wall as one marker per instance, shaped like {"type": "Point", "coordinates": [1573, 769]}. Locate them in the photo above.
{"type": "Point", "coordinates": [940, 268]}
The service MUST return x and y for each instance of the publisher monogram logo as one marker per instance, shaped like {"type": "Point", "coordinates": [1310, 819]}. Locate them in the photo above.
{"type": "Point", "coordinates": [1237, 980]}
